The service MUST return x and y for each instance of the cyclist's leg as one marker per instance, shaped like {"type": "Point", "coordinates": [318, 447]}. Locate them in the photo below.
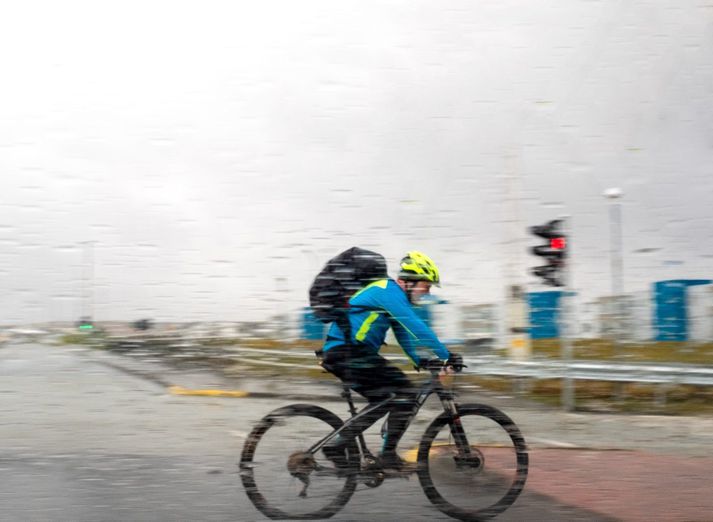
{"type": "Point", "coordinates": [401, 412]}
{"type": "Point", "coordinates": [353, 365]}
{"type": "Point", "coordinates": [377, 379]}
{"type": "Point", "coordinates": [334, 450]}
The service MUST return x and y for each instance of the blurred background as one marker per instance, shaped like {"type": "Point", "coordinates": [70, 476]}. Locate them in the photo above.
{"type": "Point", "coordinates": [180, 172]}
{"type": "Point", "coordinates": [208, 161]}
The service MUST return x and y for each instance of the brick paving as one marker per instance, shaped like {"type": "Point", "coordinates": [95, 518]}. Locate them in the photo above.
{"type": "Point", "coordinates": [633, 486]}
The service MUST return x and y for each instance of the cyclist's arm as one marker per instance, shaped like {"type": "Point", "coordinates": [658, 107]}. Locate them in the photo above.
{"type": "Point", "coordinates": [410, 330]}
{"type": "Point", "coordinates": [406, 342]}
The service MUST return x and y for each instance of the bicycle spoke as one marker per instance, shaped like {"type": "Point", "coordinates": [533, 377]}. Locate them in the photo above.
{"type": "Point", "coordinates": [284, 481]}
{"type": "Point", "coordinates": [481, 479]}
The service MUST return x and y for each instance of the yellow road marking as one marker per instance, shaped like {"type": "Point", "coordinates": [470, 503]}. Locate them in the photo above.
{"type": "Point", "coordinates": [179, 390]}
{"type": "Point", "coordinates": [412, 454]}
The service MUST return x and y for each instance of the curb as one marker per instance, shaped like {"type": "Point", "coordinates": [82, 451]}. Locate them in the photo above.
{"type": "Point", "coordinates": [174, 389]}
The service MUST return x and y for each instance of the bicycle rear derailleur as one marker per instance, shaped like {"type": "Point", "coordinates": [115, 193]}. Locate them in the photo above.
{"type": "Point", "coordinates": [300, 465]}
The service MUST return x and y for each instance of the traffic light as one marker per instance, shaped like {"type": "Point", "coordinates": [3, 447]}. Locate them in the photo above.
{"type": "Point", "coordinates": [554, 251]}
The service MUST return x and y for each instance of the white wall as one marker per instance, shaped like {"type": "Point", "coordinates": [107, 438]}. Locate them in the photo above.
{"type": "Point", "coordinates": [700, 313]}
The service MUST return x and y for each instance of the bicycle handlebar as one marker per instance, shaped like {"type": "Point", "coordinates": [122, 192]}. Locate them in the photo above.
{"type": "Point", "coordinates": [455, 361]}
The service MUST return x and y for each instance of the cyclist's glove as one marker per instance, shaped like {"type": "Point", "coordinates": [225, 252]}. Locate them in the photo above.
{"type": "Point", "coordinates": [430, 365]}
{"type": "Point", "coordinates": [455, 361]}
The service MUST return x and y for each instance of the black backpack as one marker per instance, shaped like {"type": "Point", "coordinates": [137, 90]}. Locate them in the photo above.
{"type": "Point", "coordinates": [340, 278]}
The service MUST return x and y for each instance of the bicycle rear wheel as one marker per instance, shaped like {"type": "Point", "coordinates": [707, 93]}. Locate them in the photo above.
{"type": "Point", "coordinates": [478, 479]}
{"type": "Point", "coordinates": [281, 479]}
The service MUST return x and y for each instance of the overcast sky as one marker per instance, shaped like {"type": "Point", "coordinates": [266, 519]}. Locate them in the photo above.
{"type": "Point", "coordinates": [209, 148]}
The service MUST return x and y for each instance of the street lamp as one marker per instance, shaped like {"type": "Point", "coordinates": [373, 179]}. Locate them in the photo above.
{"type": "Point", "coordinates": [614, 196]}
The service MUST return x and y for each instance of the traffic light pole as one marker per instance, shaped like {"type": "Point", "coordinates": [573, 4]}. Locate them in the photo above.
{"type": "Point", "coordinates": [567, 397]}
{"type": "Point", "coordinates": [558, 272]}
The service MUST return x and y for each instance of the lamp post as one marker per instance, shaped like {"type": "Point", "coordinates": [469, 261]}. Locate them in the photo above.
{"type": "Point", "coordinates": [614, 196]}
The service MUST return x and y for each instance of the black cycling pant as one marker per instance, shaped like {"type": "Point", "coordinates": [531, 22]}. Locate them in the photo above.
{"type": "Point", "coordinates": [375, 378]}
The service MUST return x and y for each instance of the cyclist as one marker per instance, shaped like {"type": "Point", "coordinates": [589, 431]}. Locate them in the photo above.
{"type": "Point", "coordinates": [354, 358]}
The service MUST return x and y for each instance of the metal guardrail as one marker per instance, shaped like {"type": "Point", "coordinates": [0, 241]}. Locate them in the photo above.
{"type": "Point", "coordinates": [578, 370]}
{"type": "Point", "coordinates": [555, 369]}
{"type": "Point", "coordinates": [592, 370]}
{"type": "Point", "coordinates": [487, 364]}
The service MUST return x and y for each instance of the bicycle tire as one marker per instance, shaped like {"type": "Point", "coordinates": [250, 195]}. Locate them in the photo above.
{"type": "Point", "coordinates": [506, 457]}
{"type": "Point", "coordinates": [302, 414]}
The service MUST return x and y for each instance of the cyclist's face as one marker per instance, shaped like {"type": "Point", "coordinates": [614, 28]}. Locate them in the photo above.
{"type": "Point", "coordinates": [420, 288]}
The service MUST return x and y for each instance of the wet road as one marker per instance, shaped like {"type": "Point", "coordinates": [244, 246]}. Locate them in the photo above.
{"type": "Point", "coordinates": [91, 435]}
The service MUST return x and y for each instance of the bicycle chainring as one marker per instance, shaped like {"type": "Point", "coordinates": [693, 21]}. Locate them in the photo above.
{"type": "Point", "coordinates": [372, 472]}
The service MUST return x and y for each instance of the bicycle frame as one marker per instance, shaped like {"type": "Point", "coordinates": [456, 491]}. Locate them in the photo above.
{"type": "Point", "coordinates": [443, 448]}
{"type": "Point", "coordinates": [434, 385]}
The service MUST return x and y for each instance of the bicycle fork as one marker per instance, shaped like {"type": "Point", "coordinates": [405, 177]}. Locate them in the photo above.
{"type": "Point", "coordinates": [466, 456]}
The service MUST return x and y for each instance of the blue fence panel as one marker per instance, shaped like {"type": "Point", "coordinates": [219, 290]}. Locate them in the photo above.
{"type": "Point", "coordinates": [312, 328]}
{"type": "Point", "coordinates": [544, 314]}
{"type": "Point", "coordinates": [671, 310]}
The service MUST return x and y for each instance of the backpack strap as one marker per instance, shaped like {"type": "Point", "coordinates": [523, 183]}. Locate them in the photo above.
{"type": "Point", "coordinates": [342, 320]}
{"type": "Point", "coordinates": [344, 325]}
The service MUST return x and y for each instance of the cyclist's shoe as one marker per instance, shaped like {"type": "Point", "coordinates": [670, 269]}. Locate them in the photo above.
{"type": "Point", "coordinates": [391, 462]}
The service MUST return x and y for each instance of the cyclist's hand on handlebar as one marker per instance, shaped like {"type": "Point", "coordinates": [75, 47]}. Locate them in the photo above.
{"type": "Point", "coordinates": [454, 364]}
{"type": "Point", "coordinates": [455, 361]}
{"type": "Point", "coordinates": [432, 365]}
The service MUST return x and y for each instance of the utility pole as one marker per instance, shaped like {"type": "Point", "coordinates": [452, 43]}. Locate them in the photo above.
{"type": "Point", "coordinates": [282, 328]}
{"type": "Point", "coordinates": [87, 287]}
{"type": "Point", "coordinates": [516, 312]}
{"type": "Point", "coordinates": [614, 196]}
{"type": "Point", "coordinates": [87, 277]}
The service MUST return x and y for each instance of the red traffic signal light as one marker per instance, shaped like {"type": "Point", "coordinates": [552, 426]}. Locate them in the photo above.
{"type": "Point", "coordinates": [558, 243]}
{"type": "Point", "coordinates": [554, 251]}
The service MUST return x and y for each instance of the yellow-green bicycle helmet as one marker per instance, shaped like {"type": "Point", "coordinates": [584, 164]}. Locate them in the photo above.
{"type": "Point", "coordinates": [417, 266]}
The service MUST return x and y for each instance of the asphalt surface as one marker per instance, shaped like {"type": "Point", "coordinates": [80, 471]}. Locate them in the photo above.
{"type": "Point", "coordinates": [91, 435]}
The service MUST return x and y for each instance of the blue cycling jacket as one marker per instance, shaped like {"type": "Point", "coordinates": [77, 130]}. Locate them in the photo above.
{"type": "Point", "coordinates": [380, 306]}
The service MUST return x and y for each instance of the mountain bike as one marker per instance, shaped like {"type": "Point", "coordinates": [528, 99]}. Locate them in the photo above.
{"type": "Point", "coordinates": [471, 461]}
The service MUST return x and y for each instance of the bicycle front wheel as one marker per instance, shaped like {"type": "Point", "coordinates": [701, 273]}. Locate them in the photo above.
{"type": "Point", "coordinates": [474, 467]}
{"type": "Point", "coordinates": [281, 479]}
